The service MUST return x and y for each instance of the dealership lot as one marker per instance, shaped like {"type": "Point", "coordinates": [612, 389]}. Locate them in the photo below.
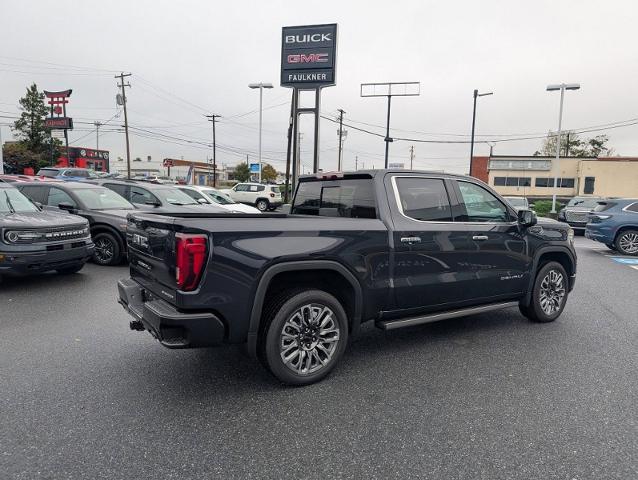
{"type": "Point", "coordinates": [489, 396]}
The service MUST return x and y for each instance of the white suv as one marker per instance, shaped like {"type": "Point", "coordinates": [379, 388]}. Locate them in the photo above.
{"type": "Point", "coordinates": [264, 197]}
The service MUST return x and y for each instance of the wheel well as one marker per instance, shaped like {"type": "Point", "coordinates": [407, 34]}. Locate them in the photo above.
{"type": "Point", "coordinates": [624, 229]}
{"type": "Point", "coordinates": [261, 198]}
{"type": "Point", "coordinates": [100, 228]}
{"type": "Point", "coordinates": [327, 280]}
{"type": "Point", "coordinates": [559, 257]}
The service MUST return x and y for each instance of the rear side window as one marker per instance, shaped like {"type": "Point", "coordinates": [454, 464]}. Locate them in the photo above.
{"type": "Point", "coordinates": [602, 206]}
{"type": "Point", "coordinates": [633, 207]}
{"type": "Point", "coordinates": [343, 198]}
{"type": "Point", "coordinates": [424, 199]}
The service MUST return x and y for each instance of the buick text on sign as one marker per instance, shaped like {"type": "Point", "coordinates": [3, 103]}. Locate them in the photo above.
{"type": "Point", "coordinates": [308, 56]}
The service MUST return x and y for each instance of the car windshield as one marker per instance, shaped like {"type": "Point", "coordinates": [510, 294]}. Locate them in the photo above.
{"type": "Point", "coordinates": [13, 201]}
{"type": "Point", "coordinates": [48, 172]}
{"type": "Point", "coordinates": [174, 196]}
{"type": "Point", "coordinates": [517, 201]}
{"type": "Point", "coordinates": [218, 197]}
{"type": "Point", "coordinates": [583, 202]}
{"type": "Point", "coordinates": [100, 198]}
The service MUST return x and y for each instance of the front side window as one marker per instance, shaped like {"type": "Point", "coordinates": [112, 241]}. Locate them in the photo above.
{"type": "Point", "coordinates": [100, 198]}
{"type": "Point", "coordinates": [481, 205]}
{"type": "Point", "coordinates": [241, 187]}
{"type": "Point", "coordinates": [58, 196]}
{"type": "Point", "coordinates": [424, 199]}
{"type": "Point", "coordinates": [194, 194]}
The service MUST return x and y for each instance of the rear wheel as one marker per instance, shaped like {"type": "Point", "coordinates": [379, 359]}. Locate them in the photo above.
{"type": "Point", "coordinates": [107, 249]}
{"type": "Point", "coordinates": [262, 205]}
{"type": "Point", "coordinates": [304, 337]}
{"type": "Point", "coordinates": [70, 270]}
{"type": "Point", "coordinates": [549, 294]}
{"type": "Point", "coordinates": [627, 242]}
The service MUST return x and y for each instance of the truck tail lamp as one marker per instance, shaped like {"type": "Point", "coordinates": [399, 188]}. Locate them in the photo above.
{"type": "Point", "coordinates": [329, 175]}
{"type": "Point", "coordinates": [190, 259]}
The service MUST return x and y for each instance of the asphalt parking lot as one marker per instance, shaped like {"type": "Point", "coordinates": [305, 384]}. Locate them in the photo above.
{"type": "Point", "coordinates": [485, 397]}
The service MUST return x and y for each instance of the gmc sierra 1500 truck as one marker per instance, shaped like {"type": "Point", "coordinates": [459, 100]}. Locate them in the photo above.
{"type": "Point", "coordinates": [400, 248]}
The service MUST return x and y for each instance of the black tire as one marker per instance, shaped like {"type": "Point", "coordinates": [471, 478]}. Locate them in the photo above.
{"type": "Point", "coordinates": [70, 270]}
{"type": "Point", "coordinates": [107, 249]}
{"type": "Point", "coordinates": [312, 355]}
{"type": "Point", "coordinates": [627, 242]}
{"type": "Point", "coordinates": [552, 306]}
{"type": "Point", "coordinates": [262, 205]}
{"type": "Point", "coordinates": [611, 246]}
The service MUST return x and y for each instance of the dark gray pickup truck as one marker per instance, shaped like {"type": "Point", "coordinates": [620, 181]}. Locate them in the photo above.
{"type": "Point", "coordinates": [399, 248]}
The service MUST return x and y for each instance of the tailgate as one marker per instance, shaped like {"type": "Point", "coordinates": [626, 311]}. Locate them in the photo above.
{"type": "Point", "coordinates": [151, 248]}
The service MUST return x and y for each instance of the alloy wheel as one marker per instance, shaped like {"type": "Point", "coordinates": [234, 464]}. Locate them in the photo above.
{"type": "Point", "coordinates": [552, 292]}
{"type": "Point", "coordinates": [104, 250]}
{"type": "Point", "coordinates": [628, 243]}
{"type": "Point", "coordinates": [309, 339]}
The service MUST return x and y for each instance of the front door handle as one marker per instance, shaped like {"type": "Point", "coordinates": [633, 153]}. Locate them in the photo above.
{"type": "Point", "coordinates": [480, 238]}
{"type": "Point", "coordinates": [410, 240]}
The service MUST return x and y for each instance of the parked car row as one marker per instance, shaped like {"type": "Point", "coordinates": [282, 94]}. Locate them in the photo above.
{"type": "Point", "coordinates": [38, 212]}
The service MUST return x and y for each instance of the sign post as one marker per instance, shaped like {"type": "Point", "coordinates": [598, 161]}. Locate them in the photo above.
{"type": "Point", "coordinates": [308, 62]}
{"type": "Point", "coordinates": [60, 121]}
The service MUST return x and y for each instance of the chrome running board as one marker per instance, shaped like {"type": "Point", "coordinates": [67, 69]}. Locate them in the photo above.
{"type": "Point", "coordinates": [435, 317]}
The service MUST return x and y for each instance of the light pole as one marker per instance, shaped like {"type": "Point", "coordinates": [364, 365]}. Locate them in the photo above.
{"type": "Point", "coordinates": [476, 95]}
{"type": "Point", "coordinates": [551, 88]}
{"type": "Point", "coordinates": [261, 87]}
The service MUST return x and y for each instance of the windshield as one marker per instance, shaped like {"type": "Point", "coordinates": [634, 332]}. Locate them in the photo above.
{"type": "Point", "coordinates": [12, 201]}
{"type": "Point", "coordinates": [48, 172]}
{"type": "Point", "coordinates": [517, 201]}
{"type": "Point", "coordinates": [583, 202]}
{"type": "Point", "coordinates": [100, 198]}
{"type": "Point", "coordinates": [174, 196]}
{"type": "Point", "coordinates": [218, 197]}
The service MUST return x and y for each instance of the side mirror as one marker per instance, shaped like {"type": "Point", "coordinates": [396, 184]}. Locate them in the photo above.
{"type": "Point", "coordinates": [526, 218]}
{"type": "Point", "coordinates": [153, 203]}
{"type": "Point", "coordinates": [203, 201]}
{"type": "Point", "coordinates": [38, 204]}
{"type": "Point", "coordinates": [67, 207]}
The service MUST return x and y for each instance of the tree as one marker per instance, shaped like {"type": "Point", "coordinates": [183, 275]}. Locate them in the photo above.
{"type": "Point", "coordinates": [35, 146]}
{"type": "Point", "coordinates": [242, 172]}
{"type": "Point", "coordinates": [268, 173]}
{"type": "Point", "coordinates": [571, 144]}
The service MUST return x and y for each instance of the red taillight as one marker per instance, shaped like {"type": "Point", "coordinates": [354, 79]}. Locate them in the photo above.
{"type": "Point", "coordinates": [190, 259]}
{"type": "Point", "coordinates": [272, 195]}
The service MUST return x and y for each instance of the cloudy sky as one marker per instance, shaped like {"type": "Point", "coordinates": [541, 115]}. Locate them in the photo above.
{"type": "Point", "coordinates": [190, 58]}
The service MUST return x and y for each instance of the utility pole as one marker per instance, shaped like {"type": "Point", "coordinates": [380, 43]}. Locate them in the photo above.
{"type": "Point", "coordinates": [476, 94]}
{"type": "Point", "coordinates": [213, 118]}
{"type": "Point", "coordinates": [412, 157]}
{"type": "Point", "coordinates": [97, 124]}
{"type": "Point", "coordinates": [1, 159]}
{"type": "Point", "coordinates": [341, 112]}
{"type": "Point", "coordinates": [356, 163]}
{"type": "Point", "coordinates": [122, 85]}
{"type": "Point", "coordinates": [289, 149]}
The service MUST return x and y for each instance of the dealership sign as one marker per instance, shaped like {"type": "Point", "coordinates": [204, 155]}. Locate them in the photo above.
{"type": "Point", "coordinates": [308, 56]}
{"type": "Point", "coordinates": [59, 123]}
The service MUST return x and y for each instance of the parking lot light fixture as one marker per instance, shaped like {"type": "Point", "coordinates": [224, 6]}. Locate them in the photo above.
{"type": "Point", "coordinates": [552, 88]}
{"type": "Point", "coordinates": [261, 87]}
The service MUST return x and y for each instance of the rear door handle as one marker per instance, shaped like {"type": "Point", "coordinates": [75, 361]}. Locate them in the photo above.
{"type": "Point", "coordinates": [480, 238]}
{"type": "Point", "coordinates": [410, 240]}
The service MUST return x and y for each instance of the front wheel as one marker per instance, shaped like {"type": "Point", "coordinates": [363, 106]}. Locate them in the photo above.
{"type": "Point", "coordinates": [107, 249]}
{"type": "Point", "coordinates": [627, 242]}
{"type": "Point", "coordinates": [304, 337]}
{"type": "Point", "coordinates": [549, 294]}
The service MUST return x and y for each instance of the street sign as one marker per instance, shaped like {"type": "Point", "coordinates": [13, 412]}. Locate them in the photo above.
{"type": "Point", "coordinates": [396, 165]}
{"type": "Point", "coordinates": [254, 168]}
{"type": "Point", "coordinates": [309, 56]}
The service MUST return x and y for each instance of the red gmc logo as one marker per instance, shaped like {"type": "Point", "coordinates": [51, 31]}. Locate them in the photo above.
{"type": "Point", "coordinates": [308, 58]}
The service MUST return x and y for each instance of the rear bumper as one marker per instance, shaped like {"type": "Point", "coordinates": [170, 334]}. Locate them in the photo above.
{"type": "Point", "coordinates": [25, 263]}
{"type": "Point", "coordinates": [172, 328]}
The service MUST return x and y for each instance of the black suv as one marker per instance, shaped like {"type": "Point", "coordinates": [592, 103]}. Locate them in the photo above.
{"type": "Point", "coordinates": [104, 209]}
{"type": "Point", "coordinates": [33, 241]}
{"type": "Point", "coordinates": [158, 198]}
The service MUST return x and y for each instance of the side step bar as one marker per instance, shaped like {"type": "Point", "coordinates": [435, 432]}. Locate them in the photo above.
{"type": "Point", "coordinates": [435, 317]}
